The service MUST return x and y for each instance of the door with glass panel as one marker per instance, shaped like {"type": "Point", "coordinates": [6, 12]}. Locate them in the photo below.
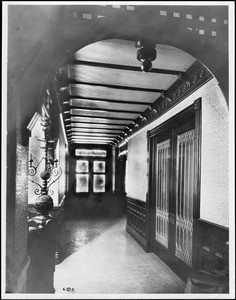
{"type": "Point", "coordinates": [172, 185]}
{"type": "Point", "coordinates": [161, 209]}
{"type": "Point", "coordinates": [184, 192]}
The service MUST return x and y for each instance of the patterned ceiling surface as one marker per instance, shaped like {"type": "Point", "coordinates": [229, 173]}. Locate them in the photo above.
{"type": "Point", "coordinates": [122, 52]}
{"type": "Point", "coordinates": [108, 93]}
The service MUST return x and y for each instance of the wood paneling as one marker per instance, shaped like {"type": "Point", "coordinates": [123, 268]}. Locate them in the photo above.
{"type": "Point", "coordinates": [212, 247]}
{"type": "Point", "coordinates": [136, 221]}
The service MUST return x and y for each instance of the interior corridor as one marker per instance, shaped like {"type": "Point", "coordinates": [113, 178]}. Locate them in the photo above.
{"type": "Point", "coordinates": [117, 152]}
{"type": "Point", "coordinates": [100, 257]}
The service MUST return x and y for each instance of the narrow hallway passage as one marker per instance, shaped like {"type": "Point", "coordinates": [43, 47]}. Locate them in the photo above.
{"type": "Point", "coordinates": [101, 258]}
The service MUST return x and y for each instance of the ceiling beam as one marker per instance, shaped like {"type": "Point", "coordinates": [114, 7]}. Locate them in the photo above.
{"type": "Point", "coordinates": [125, 67]}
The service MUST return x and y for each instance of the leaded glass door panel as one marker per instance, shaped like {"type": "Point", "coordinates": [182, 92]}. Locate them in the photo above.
{"type": "Point", "coordinates": [173, 205]}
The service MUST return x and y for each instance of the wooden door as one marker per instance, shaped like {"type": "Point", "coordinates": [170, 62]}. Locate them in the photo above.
{"type": "Point", "coordinates": [172, 204]}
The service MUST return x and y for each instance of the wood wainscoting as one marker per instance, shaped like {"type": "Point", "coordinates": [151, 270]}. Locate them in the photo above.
{"type": "Point", "coordinates": [137, 221]}
{"type": "Point", "coordinates": [213, 246]}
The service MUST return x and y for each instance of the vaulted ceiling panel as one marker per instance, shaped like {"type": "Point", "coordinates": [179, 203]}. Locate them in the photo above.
{"type": "Point", "coordinates": [88, 140]}
{"type": "Point", "coordinates": [103, 113]}
{"type": "Point", "coordinates": [99, 120]}
{"type": "Point", "coordinates": [100, 135]}
{"type": "Point", "coordinates": [90, 137]}
{"type": "Point", "coordinates": [107, 105]}
{"type": "Point", "coordinates": [96, 130]}
{"type": "Point", "coordinates": [94, 126]}
{"type": "Point", "coordinates": [85, 142]}
{"type": "Point", "coordinates": [117, 77]}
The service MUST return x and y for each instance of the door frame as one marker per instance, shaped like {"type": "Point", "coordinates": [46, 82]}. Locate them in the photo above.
{"type": "Point", "coordinates": [193, 110]}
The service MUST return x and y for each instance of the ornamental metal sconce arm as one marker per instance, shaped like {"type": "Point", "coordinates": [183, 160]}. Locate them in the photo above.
{"type": "Point", "coordinates": [51, 170]}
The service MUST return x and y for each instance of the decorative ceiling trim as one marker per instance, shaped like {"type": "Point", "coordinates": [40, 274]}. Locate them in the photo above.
{"type": "Point", "coordinates": [198, 75]}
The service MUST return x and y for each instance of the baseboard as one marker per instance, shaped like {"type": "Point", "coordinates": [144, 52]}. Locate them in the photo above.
{"type": "Point", "coordinates": [138, 238]}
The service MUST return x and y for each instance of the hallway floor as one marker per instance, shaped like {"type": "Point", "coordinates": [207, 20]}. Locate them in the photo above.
{"type": "Point", "coordinates": [101, 258]}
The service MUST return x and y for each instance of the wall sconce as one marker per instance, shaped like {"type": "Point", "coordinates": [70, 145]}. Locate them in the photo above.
{"type": "Point", "coordinates": [51, 170]}
{"type": "Point", "coordinates": [146, 54]}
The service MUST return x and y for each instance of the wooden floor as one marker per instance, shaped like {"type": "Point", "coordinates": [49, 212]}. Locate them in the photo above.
{"type": "Point", "coordinates": [100, 257]}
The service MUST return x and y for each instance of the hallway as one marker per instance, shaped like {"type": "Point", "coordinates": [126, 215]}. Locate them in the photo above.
{"type": "Point", "coordinates": [101, 258]}
{"type": "Point", "coordinates": [117, 150]}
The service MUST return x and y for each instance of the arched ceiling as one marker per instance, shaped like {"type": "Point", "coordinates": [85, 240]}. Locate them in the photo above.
{"type": "Point", "coordinates": [104, 95]}
{"type": "Point", "coordinates": [42, 37]}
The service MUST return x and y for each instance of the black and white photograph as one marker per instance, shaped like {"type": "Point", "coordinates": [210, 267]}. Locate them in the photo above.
{"type": "Point", "coordinates": [118, 150]}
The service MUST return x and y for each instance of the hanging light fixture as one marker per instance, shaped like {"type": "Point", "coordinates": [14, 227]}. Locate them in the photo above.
{"type": "Point", "coordinates": [146, 54]}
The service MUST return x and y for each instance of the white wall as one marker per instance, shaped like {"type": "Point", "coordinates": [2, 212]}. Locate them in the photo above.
{"type": "Point", "coordinates": [215, 158]}
{"type": "Point", "coordinates": [214, 202]}
{"type": "Point", "coordinates": [136, 170]}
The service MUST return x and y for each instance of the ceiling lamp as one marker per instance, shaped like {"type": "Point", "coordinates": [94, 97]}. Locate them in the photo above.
{"type": "Point", "coordinates": [146, 54]}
